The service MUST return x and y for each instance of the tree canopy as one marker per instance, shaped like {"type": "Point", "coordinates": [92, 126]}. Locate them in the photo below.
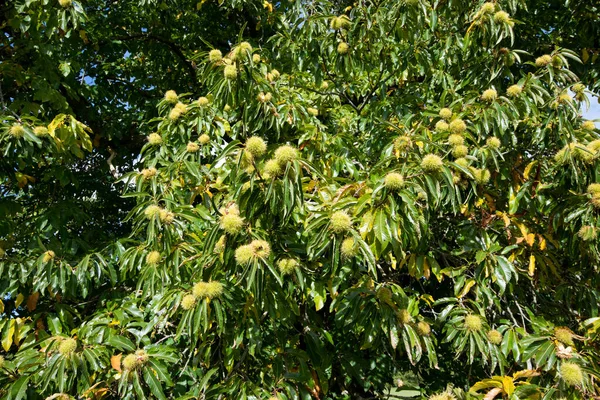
{"type": "Point", "coordinates": [299, 200]}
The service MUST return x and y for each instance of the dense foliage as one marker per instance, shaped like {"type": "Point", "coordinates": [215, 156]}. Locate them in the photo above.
{"type": "Point", "coordinates": [296, 200]}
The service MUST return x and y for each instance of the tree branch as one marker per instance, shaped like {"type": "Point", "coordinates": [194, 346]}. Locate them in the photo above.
{"type": "Point", "coordinates": [191, 66]}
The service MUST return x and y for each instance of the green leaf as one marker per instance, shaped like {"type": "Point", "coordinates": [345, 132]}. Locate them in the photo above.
{"type": "Point", "coordinates": [121, 343]}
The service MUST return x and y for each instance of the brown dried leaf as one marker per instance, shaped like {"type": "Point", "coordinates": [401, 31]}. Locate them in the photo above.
{"type": "Point", "coordinates": [492, 394]}
{"type": "Point", "coordinates": [32, 301]}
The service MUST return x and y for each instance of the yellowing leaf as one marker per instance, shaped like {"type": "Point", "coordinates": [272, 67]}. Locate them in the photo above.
{"type": "Point", "coordinates": [490, 201]}
{"type": "Point", "coordinates": [19, 300]}
{"type": "Point", "coordinates": [585, 55]}
{"type": "Point", "coordinates": [367, 225]}
{"type": "Point", "coordinates": [542, 243]}
{"type": "Point", "coordinates": [552, 240]}
{"type": "Point", "coordinates": [393, 261]}
{"type": "Point", "coordinates": [20, 322]}
{"type": "Point", "coordinates": [531, 265]}
{"type": "Point", "coordinates": [311, 185]}
{"type": "Point", "coordinates": [526, 373]}
{"type": "Point", "coordinates": [319, 302]}
{"type": "Point", "coordinates": [115, 362]}
{"type": "Point", "coordinates": [426, 269]}
{"type": "Point", "coordinates": [114, 323]}
{"type": "Point", "coordinates": [464, 209]}
{"type": "Point", "coordinates": [506, 220]}
{"type": "Point", "coordinates": [56, 123]}
{"type": "Point", "coordinates": [530, 239]}
{"type": "Point", "coordinates": [485, 384]}
{"type": "Point", "coordinates": [7, 335]}
{"type": "Point", "coordinates": [508, 385]}
{"type": "Point", "coordinates": [523, 229]}
{"type": "Point", "coordinates": [470, 283]}
{"type": "Point", "coordinates": [96, 393]}
{"type": "Point", "coordinates": [528, 169]}
{"type": "Point", "coordinates": [428, 298]}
